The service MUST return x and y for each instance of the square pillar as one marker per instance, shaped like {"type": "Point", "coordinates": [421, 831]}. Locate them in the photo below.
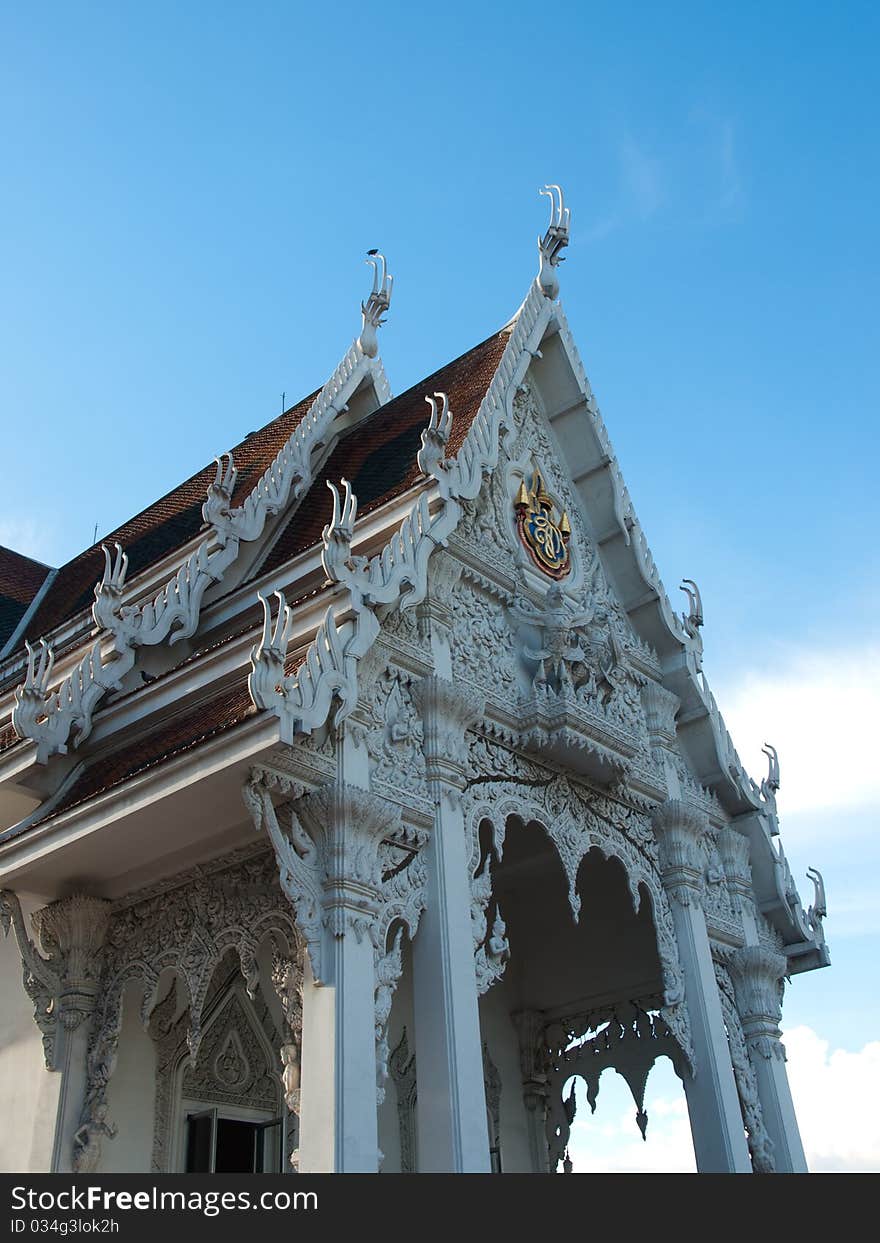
{"type": "Point", "coordinates": [713, 1104]}
{"type": "Point", "coordinates": [329, 863]}
{"type": "Point", "coordinates": [452, 1125]}
{"type": "Point", "coordinates": [757, 980]}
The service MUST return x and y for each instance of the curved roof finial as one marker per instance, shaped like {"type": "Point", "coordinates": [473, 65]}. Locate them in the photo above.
{"type": "Point", "coordinates": [554, 241]}
{"type": "Point", "coordinates": [376, 304]}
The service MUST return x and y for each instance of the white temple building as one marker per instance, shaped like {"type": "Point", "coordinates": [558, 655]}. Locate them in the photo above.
{"type": "Point", "coordinates": [366, 790]}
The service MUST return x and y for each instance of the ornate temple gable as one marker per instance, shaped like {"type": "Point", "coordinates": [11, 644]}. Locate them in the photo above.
{"type": "Point", "coordinates": [560, 436]}
{"type": "Point", "coordinates": [566, 627]}
{"type": "Point", "coordinates": [554, 650]}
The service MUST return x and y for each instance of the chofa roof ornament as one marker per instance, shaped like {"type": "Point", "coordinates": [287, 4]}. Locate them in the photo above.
{"type": "Point", "coordinates": [376, 305]}
{"type": "Point", "coordinates": [554, 241]}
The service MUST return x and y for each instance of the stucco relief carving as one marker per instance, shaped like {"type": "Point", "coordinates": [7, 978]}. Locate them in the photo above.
{"type": "Point", "coordinates": [482, 644]}
{"type": "Point", "coordinates": [395, 741]}
{"type": "Point", "coordinates": [389, 969]}
{"type": "Point", "coordinates": [491, 946]}
{"type": "Point", "coordinates": [403, 1073]}
{"type": "Point", "coordinates": [232, 1066]}
{"type": "Point", "coordinates": [492, 1084]}
{"type": "Point", "coordinates": [402, 1068]}
{"type": "Point", "coordinates": [486, 523]}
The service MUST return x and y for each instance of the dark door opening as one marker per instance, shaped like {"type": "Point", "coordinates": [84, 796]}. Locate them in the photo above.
{"type": "Point", "coordinates": [225, 1145]}
{"type": "Point", "coordinates": [236, 1147]}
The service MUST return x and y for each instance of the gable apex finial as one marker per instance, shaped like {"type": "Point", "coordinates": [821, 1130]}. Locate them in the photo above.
{"type": "Point", "coordinates": [376, 304]}
{"type": "Point", "coordinates": [554, 241]}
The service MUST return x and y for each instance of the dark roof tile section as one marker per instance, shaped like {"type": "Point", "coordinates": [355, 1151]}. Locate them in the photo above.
{"type": "Point", "coordinates": [163, 526]}
{"type": "Point", "coordinates": [210, 718]}
{"type": "Point", "coordinates": [378, 455]}
{"type": "Point", "coordinates": [20, 580]}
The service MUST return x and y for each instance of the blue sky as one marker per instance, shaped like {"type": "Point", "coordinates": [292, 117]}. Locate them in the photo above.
{"type": "Point", "coordinates": [188, 192]}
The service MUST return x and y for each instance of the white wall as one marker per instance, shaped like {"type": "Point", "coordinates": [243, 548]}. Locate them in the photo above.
{"type": "Point", "coordinates": [131, 1093]}
{"type": "Point", "coordinates": [28, 1091]}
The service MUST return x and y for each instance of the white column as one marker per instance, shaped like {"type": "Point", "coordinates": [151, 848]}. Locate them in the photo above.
{"type": "Point", "coordinates": [757, 976]}
{"type": "Point", "coordinates": [451, 1111]}
{"type": "Point", "coordinates": [338, 1126]}
{"type": "Point", "coordinates": [713, 1103]}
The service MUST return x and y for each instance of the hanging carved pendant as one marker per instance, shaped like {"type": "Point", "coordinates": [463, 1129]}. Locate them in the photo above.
{"type": "Point", "coordinates": [544, 536]}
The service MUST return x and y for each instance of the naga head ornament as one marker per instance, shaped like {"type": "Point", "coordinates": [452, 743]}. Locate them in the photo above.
{"type": "Point", "coordinates": [376, 304]}
{"type": "Point", "coordinates": [554, 241]}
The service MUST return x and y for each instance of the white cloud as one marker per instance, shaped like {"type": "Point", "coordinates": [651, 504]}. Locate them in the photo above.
{"type": "Point", "coordinates": [835, 1094]}
{"type": "Point", "coordinates": [642, 178]}
{"type": "Point", "coordinates": [821, 711]}
{"type": "Point", "coordinates": [609, 1141]}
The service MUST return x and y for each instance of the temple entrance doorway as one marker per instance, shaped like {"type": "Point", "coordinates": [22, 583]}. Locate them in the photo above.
{"type": "Point", "coordinates": [585, 968]}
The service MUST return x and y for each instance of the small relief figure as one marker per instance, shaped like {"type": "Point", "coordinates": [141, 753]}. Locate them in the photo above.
{"type": "Point", "coordinates": [498, 948]}
{"type": "Point", "coordinates": [290, 1076]}
{"type": "Point", "coordinates": [561, 647]}
{"type": "Point", "coordinates": [87, 1140]}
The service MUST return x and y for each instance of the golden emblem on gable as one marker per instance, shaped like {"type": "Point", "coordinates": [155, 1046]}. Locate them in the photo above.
{"type": "Point", "coordinates": [544, 535]}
